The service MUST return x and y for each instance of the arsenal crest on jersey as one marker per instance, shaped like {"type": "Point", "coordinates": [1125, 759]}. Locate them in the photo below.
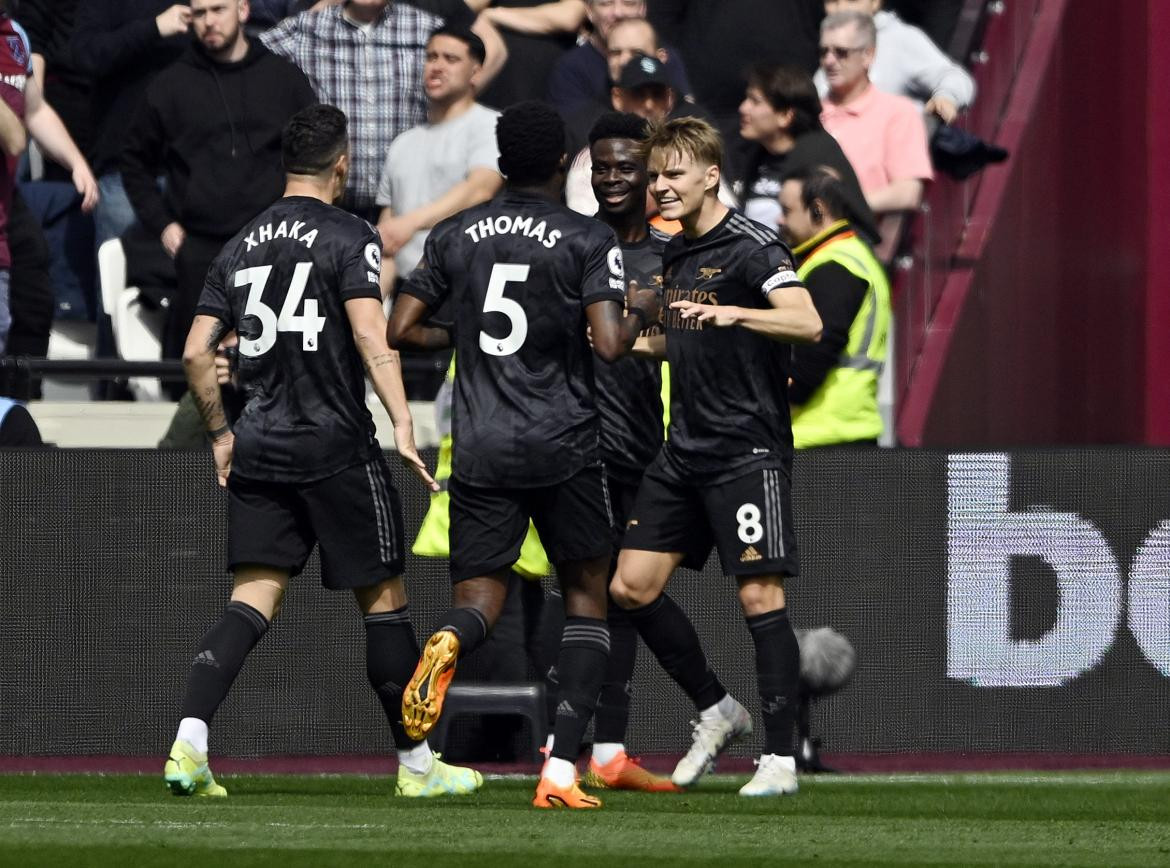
{"type": "Point", "coordinates": [17, 49]}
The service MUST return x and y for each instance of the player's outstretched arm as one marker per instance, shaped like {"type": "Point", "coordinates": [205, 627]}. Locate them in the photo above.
{"type": "Point", "coordinates": [612, 332]}
{"type": "Point", "coordinates": [792, 318]}
{"type": "Point", "coordinates": [384, 368]}
{"type": "Point", "coordinates": [406, 331]}
{"type": "Point", "coordinates": [199, 365]}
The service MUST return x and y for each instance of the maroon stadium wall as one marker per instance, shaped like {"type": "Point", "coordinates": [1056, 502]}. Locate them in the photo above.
{"type": "Point", "coordinates": [1054, 325]}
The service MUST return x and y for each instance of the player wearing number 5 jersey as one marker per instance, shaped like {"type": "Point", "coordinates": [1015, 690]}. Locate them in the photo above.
{"type": "Point", "coordinates": [525, 276]}
{"type": "Point", "coordinates": [299, 284]}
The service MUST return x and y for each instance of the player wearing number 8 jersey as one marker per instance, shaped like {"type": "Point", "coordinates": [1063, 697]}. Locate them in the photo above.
{"type": "Point", "coordinates": [525, 276]}
{"type": "Point", "coordinates": [299, 284]}
{"type": "Point", "coordinates": [722, 478]}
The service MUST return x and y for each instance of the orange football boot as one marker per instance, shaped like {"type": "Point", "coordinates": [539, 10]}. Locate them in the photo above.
{"type": "Point", "coordinates": [625, 773]}
{"type": "Point", "coordinates": [549, 795]}
{"type": "Point", "coordinates": [422, 700]}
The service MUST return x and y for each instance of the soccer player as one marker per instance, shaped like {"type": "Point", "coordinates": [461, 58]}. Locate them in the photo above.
{"type": "Point", "coordinates": [722, 478]}
{"type": "Point", "coordinates": [524, 276]}
{"type": "Point", "coordinates": [299, 284]}
{"type": "Point", "coordinates": [629, 398]}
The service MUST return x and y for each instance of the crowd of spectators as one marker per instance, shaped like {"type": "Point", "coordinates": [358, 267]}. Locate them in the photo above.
{"type": "Point", "coordinates": [168, 115]}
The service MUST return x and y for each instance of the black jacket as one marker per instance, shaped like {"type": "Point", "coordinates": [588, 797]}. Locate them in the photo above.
{"type": "Point", "coordinates": [720, 39]}
{"type": "Point", "coordinates": [213, 130]}
{"type": "Point", "coordinates": [117, 43]}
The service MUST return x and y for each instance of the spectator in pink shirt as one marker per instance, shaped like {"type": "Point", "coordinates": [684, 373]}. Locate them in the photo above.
{"type": "Point", "coordinates": [883, 135]}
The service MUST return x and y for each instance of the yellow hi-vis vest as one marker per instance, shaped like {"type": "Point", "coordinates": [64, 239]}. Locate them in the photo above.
{"type": "Point", "coordinates": [433, 539]}
{"type": "Point", "coordinates": [845, 408]}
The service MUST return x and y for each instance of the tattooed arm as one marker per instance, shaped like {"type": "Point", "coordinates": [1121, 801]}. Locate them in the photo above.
{"type": "Point", "coordinates": [199, 364]}
{"type": "Point", "coordinates": [384, 369]}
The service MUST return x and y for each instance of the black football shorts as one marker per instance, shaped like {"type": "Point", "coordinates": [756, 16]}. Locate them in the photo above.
{"type": "Point", "coordinates": [573, 518]}
{"type": "Point", "coordinates": [355, 515]}
{"type": "Point", "coordinates": [748, 519]}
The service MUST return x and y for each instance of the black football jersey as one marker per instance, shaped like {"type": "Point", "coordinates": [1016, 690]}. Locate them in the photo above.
{"type": "Point", "coordinates": [519, 272]}
{"type": "Point", "coordinates": [282, 284]}
{"type": "Point", "coordinates": [728, 386]}
{"type": "Point", "coordinates": [629, 391]}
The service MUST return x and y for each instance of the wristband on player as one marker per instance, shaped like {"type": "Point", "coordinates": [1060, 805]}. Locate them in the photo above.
{"type": "Point", "coordinates": [219, 432]}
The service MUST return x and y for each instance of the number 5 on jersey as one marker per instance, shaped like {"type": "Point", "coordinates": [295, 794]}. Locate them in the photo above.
{"type": "Point", "coordinates": [503, 274]}
{"type": "Point", "coordinates": [309, 324]}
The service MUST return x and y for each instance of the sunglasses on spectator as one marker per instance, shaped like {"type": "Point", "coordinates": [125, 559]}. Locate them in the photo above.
{"type": "Point", "coordinates": [838, 52]}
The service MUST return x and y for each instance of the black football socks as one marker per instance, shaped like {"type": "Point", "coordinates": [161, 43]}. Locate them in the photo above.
{"type": "Point", "coordinates": [468, 625]}
{"type": "Point", "coordinates": [613, 704]}
{"type": "Point", "coordinates": [671, 637]}
{"type": "Point", "coordinates": [220, 657]}
{"type": "Point", "coordinates": [391, 653]}
{"type": "Point", "coordinates": [580, 669]}
{"type": "Point", "coordinates": [778, 675]}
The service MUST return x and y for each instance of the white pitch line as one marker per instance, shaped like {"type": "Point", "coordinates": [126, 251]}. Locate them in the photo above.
{"type": "Point", "coordinates": [1005, 778]}
{"type": "Point", "coordinates": [170, 825]}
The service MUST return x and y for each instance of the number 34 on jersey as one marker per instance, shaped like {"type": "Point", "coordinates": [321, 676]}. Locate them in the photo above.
{"type": "Point", "coordinates": [309, 323]}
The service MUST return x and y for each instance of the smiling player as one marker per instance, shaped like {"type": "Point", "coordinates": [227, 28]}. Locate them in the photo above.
{"type": "Point", "coordinates": [722, 478]}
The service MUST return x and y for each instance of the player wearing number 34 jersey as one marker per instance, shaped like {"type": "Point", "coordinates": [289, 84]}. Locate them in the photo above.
{"type": "Point", "coordinates": [299, 285]}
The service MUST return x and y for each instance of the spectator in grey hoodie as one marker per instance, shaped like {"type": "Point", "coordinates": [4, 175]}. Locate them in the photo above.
{"type": "Point", "coordinates": [908, 63]}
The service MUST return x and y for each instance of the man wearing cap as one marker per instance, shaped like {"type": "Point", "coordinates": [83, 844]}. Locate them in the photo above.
{"type": "Point", "coordinates": [582, 73]}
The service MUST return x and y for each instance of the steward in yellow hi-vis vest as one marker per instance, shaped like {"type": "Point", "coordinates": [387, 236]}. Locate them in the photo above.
{"type": "Point", "coordinates": [432, 540]}
{"type": "Point", "coordinates": [833, 391]}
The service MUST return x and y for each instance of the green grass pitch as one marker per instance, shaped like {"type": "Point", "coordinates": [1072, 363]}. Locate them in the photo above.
{"type": "Point", "coordinates": [993, 819]}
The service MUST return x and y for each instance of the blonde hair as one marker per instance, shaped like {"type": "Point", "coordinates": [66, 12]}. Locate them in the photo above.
{"type": "Point", "coordinates": [691, 136]}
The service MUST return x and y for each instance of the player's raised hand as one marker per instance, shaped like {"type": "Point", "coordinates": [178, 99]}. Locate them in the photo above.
{"type": "Point", "coordinates": [404, 442]}
{"type": "Point", "coordinates": [720, 315]}
{"type": "Point", "coordinates": [221, 451]}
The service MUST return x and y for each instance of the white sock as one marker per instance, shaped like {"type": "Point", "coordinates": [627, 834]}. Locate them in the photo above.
{"type": "Point", "coordinates": [561, 772]}
{"type": "Point", "coordinates": [193, 731]}
{"type": "Point", "coordinates": [607, 751]}
{"type": "Point", "coordinates": [788, 762]}
{"type": "Point", "coordinates": [548, 743]}
{"type": "Point", "coordinates": [724, 708]}
{"type": "Point", "coordinates": [417, 759]}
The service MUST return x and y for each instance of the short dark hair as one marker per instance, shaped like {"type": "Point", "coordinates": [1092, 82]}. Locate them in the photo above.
{"type": "Point", "coordinates": [531, 136]}
{"type": "Point", "coordinates": [619, 125]}
{"type": "Point", "coordinates": [786, 87]}
{"type": "Point", "coordinates": [474, 44]}
{"type": "Point", "coordinates": [822, 182]}
{"type": "Point", "coordinates": [313, 140]}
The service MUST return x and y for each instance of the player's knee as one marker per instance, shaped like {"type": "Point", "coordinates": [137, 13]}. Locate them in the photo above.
{"type": "Point", "coordinates": [762, 595]}
{"type": "Point", "coordinates": [628, 596]}
{"type": "Point", "coordinates": [387, 596]}
{"type": "Point", "coordinates": [261, 588]}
